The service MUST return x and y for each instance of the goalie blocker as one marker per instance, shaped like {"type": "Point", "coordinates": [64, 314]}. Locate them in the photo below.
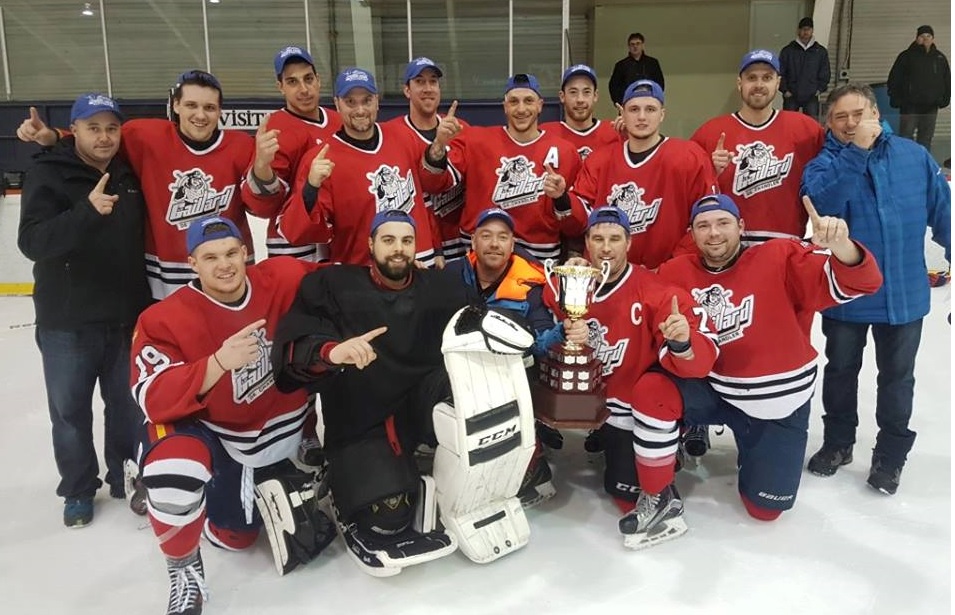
{"type": "Point", "coordinates": [486, 439]}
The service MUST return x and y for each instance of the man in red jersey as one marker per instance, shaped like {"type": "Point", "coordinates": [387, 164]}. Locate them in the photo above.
{"type": "Point", "coordinates": [423, 91]}
{"type": "Point", "coordinates": [520, 169]}
{"type": "Point", "coordinates": [635, 323]}
{"type": "Point", "coordinates": [189, 169]}
{"type": "Point", "coordinates": [219, 433]}
{"type": "Point", "coordinates": [578, 95]}
{"type": "Point", "coordinates": [759, 302]}
{"type": "Point", "coordinates": [759, 153]}
{"type": "Point", "coordinates": [652, 178]}
{"type": "Point", "coordinates": [282, 141]}
{"type": "Point", "coordinates": [366, 168]}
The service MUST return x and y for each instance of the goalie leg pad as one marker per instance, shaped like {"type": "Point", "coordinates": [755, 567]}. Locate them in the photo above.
{"type": "Point", "coordinates": [287, 501]}
{"type": "Point", "coordinates": [485, 440]}
{"type": "Point", "coordinates": [385, 555]}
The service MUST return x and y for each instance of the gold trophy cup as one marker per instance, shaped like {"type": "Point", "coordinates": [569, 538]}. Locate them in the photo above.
{"type": "Point", "coordinates": [570, 393]}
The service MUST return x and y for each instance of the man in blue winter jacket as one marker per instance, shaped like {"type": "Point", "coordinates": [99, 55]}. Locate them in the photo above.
{"type": "Point", "coordinates": [891, 189]}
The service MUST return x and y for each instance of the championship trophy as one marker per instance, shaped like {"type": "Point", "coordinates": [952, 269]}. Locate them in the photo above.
{"type": "Point", "coordinates": [570, 392]}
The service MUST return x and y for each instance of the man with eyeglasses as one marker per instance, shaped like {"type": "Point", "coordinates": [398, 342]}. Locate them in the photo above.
{"type": "Point", "coordinates": [189, 169]}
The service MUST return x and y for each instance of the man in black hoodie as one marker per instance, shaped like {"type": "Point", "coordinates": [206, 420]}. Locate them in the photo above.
{"type": "Point", "coordinates": [81, 222]}
{"type": "Point", "coordinates": [920, 83]}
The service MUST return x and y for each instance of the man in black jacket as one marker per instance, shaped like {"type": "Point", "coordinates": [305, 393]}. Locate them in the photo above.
{"type": "Point", "coordinates": [637, 65]}
{"type": "Point", "coordinates": [920, 83]}
{"type": "Point", "coordinates": [804, 65]}
{"type": "Point", "coordinates": [81, 222]}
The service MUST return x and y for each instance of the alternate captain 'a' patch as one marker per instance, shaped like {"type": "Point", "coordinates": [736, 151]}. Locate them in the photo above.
{"type": "Point", "coordinates": [758, 168]}
{"type": "Point", "coordinates": [192, 197]}
{"type": "Point", "coordinates": [517, 184]}
{"type": "Point", "coordinates": [728, 319]}
{"type": "Point", "coordinates": [629, 198]}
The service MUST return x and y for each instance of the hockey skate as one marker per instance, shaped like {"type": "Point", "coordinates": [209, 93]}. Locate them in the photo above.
{"type": "Point", "coordinates": [536, 486]}
{"type": "Point", "coordinates": [696, 441]}
{"type": "Point", "coordinates": [655, 519]}
{"type": "Point", "coordinates": [187, 585]}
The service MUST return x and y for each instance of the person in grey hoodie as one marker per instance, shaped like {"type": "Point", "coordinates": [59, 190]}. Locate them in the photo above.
{"type": "Point", "coordinates": [805, 71]}
{"type": "Point", "coordinates": [920, 83]}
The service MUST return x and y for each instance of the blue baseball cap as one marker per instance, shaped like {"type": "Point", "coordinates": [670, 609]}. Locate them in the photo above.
{"type": "Point", "coordinates": [522, 80]}
{"type": "Point", "coordinates": [610, 215]}
{"type": "Point", "coordinates": [209, 229]}
{"type": "Point", "coordinates": [88, 105]}
{"type": "Point", "coordinates": [714, 202]}
{"type": "Point", "coordinates": [391, 215]}
{"type": "Point", "coordinates": [418, 66]}
{"type": "Point", "coordinates": [578, 70]}
{"type": "Point", "coordinates": [288, 54]}
{"type": "Point", "coordinates": [759, 55]}
{"type": "Point", "coordinates": [352, 78]}
{"type": "Point", "coordinates": [495, 213]}
{"type": "Point", "coordinates": [643, 87]}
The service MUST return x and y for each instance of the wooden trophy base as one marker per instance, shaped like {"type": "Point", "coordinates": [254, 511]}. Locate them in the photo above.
{"type": "Point", "coordinates": [569, 410]}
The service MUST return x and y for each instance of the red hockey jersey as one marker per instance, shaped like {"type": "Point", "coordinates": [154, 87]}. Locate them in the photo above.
{"type": "Point", "coordinates": [624, 329]}
{"type": "Point", "coordinates": [174, 338]}
{"type": "Point", "coordinates": [182, 185]}
{"type": "Point", "coordinates": [500, 172]}
{"type": "Point", "coordinates": [767, 165]}
{"type": "Point", "coordinates": [297, 135]}
{"type": "Point", "coordinates": [761, 310]}
{"type": "Point", "coordinates": [393, 176]}
{"type": "Point", "coordinates": [656, 193]}
{"type": "Point", "coordinates": [586, 141]}
{"type": "Point", "coordinates": [445, 206]}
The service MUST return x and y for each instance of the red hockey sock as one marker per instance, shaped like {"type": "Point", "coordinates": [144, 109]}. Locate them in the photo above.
{"type": "Point", "coordinates": [177, 540]}
{"type": "Point", "coordinates": [655, 478]}
{"type": "Point", "coordinates": [758, 512]}
{"type": "Point", "coordinates": [625, 506]}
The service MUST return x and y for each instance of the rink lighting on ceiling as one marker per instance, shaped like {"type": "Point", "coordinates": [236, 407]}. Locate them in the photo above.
{"type": "Point", "coordinates": [87, 11]}
{"type": "Point", "coordinates": [213, 1]}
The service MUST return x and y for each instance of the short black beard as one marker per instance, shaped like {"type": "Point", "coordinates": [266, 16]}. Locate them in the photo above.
{"type": "Point", "coordinates": [394, 275]}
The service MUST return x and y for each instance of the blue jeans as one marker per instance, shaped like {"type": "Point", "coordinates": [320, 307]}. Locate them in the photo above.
{"type": "Point", "coordinates": [73, 361]}
{"type": "Point", "coordinates": [895, 350]}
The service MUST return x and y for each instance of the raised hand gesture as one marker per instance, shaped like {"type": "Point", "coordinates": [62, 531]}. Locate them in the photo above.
{"type": "Point", "coordinates": [676, 327]}
{"type": "Point", "coordinates": [721, 156]}
{"type": "Point", "coordinates": [102, 202]}
{"type": "Point", "coordinates": [266, 146]}
{"type": "Point", "coordinates": [554, 183]}
{"type": "Point", "coordinates": [321, 168]}
{"type": "Point", "coordinates": [34, 130]}
{"type": "Point", "coordinates": [357, 350]}
{"type": "Point", "coordinates": [832, 233]}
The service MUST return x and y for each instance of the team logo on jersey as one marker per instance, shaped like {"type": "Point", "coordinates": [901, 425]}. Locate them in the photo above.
{"type": "Point", "coordinates": [193, 197]}
{"type": "Point", "coordinates": [611, 357]}
{"type": "Point", "coordinates": [728, 320]}
{"type": "Point", "coordinates": [517, 184]}
{"type": "Point", "coordinates": [448, 201]}
{"type": "Point", "coordinates": [758, 168]}
{"type": "Point", "coordinates": [583, 151]}
{"type": "Point", "coordinates": [251, 381]}
{"type": "Point", "coordinates": [391, 191]}
{"type": "Point", "coordinates": [629, 198]}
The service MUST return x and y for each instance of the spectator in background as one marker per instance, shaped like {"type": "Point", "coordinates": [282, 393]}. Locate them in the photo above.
{"type": "Point", "coordinates": [920, 83]}
{"type": "Point", "coordinates": [804, 68]}
{"type": "Point", "coordinates": [637, 65]}
{"type": "Point", "coordinates": [82, 222]}
{"type": "Point", "coordinates": [891, 190]}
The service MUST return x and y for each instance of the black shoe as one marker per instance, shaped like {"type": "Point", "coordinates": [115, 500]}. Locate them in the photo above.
{"type": "Point", "coordinates": [77, 512]}
{"type": "Point", "coordinates": [828, 459]}
{"type": "Point", "coordinates": [884, 476]}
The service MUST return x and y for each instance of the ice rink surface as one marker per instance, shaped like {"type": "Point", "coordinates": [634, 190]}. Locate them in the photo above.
{"type": "Point", "coordinates": [845, 549]}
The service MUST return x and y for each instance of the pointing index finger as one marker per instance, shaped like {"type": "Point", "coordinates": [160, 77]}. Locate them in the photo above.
{"type": "Point", "coordinates": [34, 116]}
{"type": "Point", "coordinates": [248, 329]}
{"type": "Point", "coordinates": [322, 152]}
{"type": "Point", "coordinates": [721, 143]}
{"type": "Point", "coordinates": [101, 184]}
{"type": "Point", "coordinates": [675, 306]}
{"type": "Point", "coordinates": [452, 110]}
{"type": "Point", "coordinates": [550, 169]}
{"type": "Point", "coordinates": [373, 333]}
{"type": "Point", "coordinates": [811, 210]}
